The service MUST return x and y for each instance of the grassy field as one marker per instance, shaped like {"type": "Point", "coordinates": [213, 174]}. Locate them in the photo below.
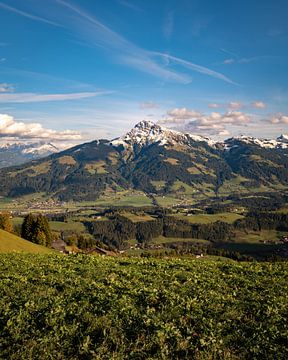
{"type": "Point", "coordinates": [137, 217]}
{"type": "Point", "coordinates": [260, 236]}
{"type": "Point", "coordinates": [207, 219]}
{"type": "Point", "coordinates": [70, 225]}
{"type": "Point", "coordinates": [57, 225]}
{"type": "Point", "coordinates": [11, 243]}
{"type": "Point", "coordinates": [87, 307]}
{"type": "Point", "coordinates": [122, 198]}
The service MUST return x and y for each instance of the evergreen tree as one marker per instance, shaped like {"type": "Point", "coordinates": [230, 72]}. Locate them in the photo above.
{"type": "Point", "coordinates": [37, 230]}
{"type": "Point", "coordinates": [27, 227]}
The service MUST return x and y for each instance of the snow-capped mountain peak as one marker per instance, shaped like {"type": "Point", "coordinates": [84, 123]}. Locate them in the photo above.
{"type": "Point", "coordinates": [146, 133]}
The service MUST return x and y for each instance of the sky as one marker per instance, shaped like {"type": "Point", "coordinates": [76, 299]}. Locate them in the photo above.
{"type": "Point", "coordinates": [77, 70]}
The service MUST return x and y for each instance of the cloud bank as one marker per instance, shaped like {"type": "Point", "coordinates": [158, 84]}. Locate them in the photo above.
{"type": "Point", "coordinates": [214, 123]}
{"type": "Point", "coordinates": [10, 128]}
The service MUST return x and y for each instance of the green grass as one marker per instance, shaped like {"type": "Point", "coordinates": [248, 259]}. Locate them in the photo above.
{"type": "Point", "coordinates": [259, 236]}
{"type": "Point", "coordinates": [207, 218]}
{"type": "Point", "coordinates": [11, 243]}
{"type": "Point", "coordinates": [158, 184]}
{"type": "Point", "coordinates": [58, 225]}
{"type": "Point", "coordinates": [87, 307]}
{"type": "Point", "coordinates": [166, 201]}
{"type": "Point", "coordinates": [17, 220]}
{"type": "Point", "coordinates": [137, 217]}
{"type": "Point", "coordinates": [123, 198]}
{"type": "Point", "coordinates": [70, 225]}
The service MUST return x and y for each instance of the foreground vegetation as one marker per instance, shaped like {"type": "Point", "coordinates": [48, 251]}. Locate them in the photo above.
{"type": "Point", "coordinates": [79, 307]}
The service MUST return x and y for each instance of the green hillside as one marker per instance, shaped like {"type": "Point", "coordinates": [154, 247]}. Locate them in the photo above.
{"type": "Point", "coordinates": [89, 307]}
{"type": "Point", "coordinates": [11, 243]}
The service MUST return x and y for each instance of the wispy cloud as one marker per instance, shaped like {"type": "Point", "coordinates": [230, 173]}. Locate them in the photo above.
{"type": "Point", "coordinates": [26, 14]}
{"type": "Point", "coordinates": [168, 25]}
{"type": "Point", "coordinates": [32, 97]}
{"type": "Point", "coordinates": [88, 28]}
{"type": "Point", "coordinates": [9, 127]}
{"type": "Point", "coordinates": [94, 32]}
{"type": "Point", "coordinates": [130, 5]}
{"type": "Point", "coordinates": [197, 68]}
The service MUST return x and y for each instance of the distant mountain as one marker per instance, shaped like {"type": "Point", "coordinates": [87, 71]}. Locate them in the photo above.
{"type": "Point", "coordinates": [157, 161]}
{"type": "Point", "coordinates": [19, 153]}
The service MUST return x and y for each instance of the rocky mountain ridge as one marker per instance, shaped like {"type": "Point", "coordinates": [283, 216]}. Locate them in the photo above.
{"type": "Point", "coordinates": [154, 160]}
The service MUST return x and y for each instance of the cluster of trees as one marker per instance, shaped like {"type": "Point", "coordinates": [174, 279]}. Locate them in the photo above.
{"type": "Point", "coordinates": [263, 221]}
{"type": "Point", "coordinates": [118, 229]}
{"type": "Point", "coordinates": [5, 222]}
{"type": "Point", "coordinates": [36, 228]}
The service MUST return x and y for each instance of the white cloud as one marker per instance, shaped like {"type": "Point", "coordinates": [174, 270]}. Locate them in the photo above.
{"type": "Point", "coordinates": [213, 123]}
{"type": "Point", "coordinates": [258, 105]}
{"type": "Point", "coordinates": [235, 105]}
{"type": "Point", "coordinates": [279, 119]}
{"type": "Point", "coordinates": [215, 105]}
{"type": "Point", "coordinates": [182, 114]}
{"type": "Point", "coordinates": [31, 97]}
{"type": "Point", "coordinates": [4, 88]}
{"type": "Point", "coordinates": [9, 127]}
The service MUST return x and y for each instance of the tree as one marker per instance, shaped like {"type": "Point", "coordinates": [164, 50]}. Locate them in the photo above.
{"type": "Point", "coordinates": [36, 229]}
{"type": "Point", "coordinates": [5, 222]}
{"type": "Point", "coordinates": [27, 227]}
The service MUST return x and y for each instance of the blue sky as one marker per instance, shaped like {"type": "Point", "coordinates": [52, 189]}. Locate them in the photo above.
{"type": "Point", "coordinates": [75, 71]}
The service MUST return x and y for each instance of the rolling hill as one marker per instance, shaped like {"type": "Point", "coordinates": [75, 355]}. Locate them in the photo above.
{"type": "Point", "coordinates": [157, 161]}
{"type": "Point", "coordinates": [11, 243]}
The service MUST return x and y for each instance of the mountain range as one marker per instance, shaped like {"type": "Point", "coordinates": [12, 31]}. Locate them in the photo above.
{"type": "Point", "coordinates": [20, 153]}
{"type": "Point", "coordinates": [155, 160]}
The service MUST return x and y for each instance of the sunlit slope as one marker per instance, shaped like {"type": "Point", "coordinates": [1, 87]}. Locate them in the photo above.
{"type": "Point", "coordinates": [12, 243]}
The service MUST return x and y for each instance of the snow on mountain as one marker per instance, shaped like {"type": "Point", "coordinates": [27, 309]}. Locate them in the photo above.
{"type": "Point", "coordinates": [283, 138]}
{"type": "Point", "coordinates": [39, 148]}
{"type": "Point", "coordinates": [146, 133]}
{"type": "Point", "coordinates": [19, 153]}
{"type": "Point", "coordinates": [280, 143]}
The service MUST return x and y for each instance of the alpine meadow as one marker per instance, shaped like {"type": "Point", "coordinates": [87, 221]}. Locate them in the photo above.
{"type": "Point", "coordinates": [143, 180]}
